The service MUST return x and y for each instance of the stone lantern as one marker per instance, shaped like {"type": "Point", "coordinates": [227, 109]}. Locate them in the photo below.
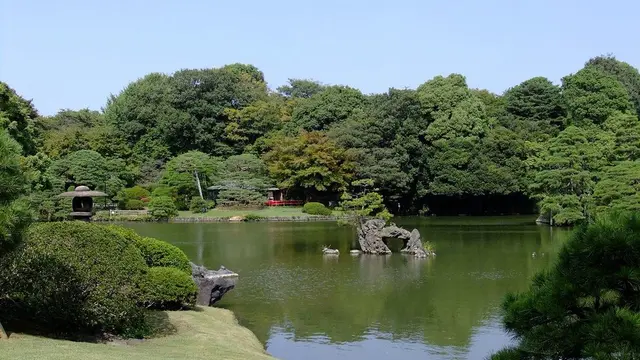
{"type": "Point", "coordinates": [82, 202]}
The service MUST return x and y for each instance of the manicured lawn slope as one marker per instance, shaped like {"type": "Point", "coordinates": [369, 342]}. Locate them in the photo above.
{"type": "Point", "coordinates": [209, 333]}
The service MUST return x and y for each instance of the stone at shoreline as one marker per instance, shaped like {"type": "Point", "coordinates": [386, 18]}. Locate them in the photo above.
{"type": "Point", "coordinates": [212, 284]}
{"type": "Point", "coordinates": [327, 251]}
{"type": "Point", "coordinates": [355, 252]}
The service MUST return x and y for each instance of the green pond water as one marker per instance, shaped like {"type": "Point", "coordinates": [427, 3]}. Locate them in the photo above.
{"type": "Point", "coordinates": [302, 305]}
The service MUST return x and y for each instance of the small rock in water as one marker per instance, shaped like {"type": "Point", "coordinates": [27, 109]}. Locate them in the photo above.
{"type": "Point", "coordinates": [355, 252]}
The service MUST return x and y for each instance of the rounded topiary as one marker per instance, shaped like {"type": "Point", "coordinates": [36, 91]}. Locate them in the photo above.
{"type": "Point", "coordinates": [162, 208]}
{"type": "Point", "coordinates": [127, 233]}
{"type": "Point", "coordinates": [75, 276]}
{"type": "Point", "coordinates": [316, 208]}
{"type": "Point", "coordinates": [198, 205]}
{"type": "Point", "coordinates": [158, 253]}
{"type": "Point", "coordinates": [134, 204]}
{"type": "Point", "coordinates": [168, 288]}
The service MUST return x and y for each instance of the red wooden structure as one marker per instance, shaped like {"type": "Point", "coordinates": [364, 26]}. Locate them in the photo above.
{"type": "Point", "coordinates": [284, 202]}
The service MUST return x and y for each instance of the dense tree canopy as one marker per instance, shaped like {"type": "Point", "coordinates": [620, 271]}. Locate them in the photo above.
{"type": "Point", "coordinates": [442, 147]}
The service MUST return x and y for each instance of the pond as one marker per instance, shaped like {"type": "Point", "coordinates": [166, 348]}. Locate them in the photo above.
{"type": "Point", "coordinates": [303, 305]}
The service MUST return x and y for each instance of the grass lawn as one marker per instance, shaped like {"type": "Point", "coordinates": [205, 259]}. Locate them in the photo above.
{"type": "Point", "coordinates": [209, 333]}
{"type": "Point", "coordinates": [276, 211]}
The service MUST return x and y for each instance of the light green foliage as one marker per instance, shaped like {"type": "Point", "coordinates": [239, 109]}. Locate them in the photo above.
{"type": "Point", "coordinates": [310, 162]}
{"type": "Point", "coordinates": [566, 169]}
{"type": "Point", "coordinates": [127, 233]}
{"type": "Point", "coordinates": [243, 180]}
{"type": "Point", "coordinates": [592, 96]}
{"type": "Point", "coordinates": [316, 208]}
{"type": "Point", "coordinates": [19, 118]}
{"type": "Point", "coordinates": [364, 201]}
{"type": "Point", "coordinates": [586, 306]}
{"type": "Point", "coordinates": [162, 208]}
{"type": "Point", "coordinates": [619, 188]}
{"type": "Point", "coordinates": [158, 253]}
{"type": "Point", "coordinates": [50, 283]}
{"type": "Point", "coordinates": [626, 74]}
{"type": "Point", "coordinates": [239, 197]}
{"type": "Point", "coordinates": [168, 288]}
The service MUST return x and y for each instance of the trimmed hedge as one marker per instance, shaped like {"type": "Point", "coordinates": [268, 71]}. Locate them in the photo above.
{"type": "Point", "coordinates": [75, 276]}
{"type": "Point", "coordinates": [316, 208]}
{"type": "Point", "coordinates": [198, 205]}
{"type": "Point", "coordinates": [158, 253]}
{"type": "Point", "coordinates": [168, 288]}
{"type": "Point", "coordinates": [127, 233]}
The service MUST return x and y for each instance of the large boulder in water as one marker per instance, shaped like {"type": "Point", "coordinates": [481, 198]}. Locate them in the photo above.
{"type": "Point", "coordinates": [371, 235]}
{"type": "Point", "coordinates": [212, 284]}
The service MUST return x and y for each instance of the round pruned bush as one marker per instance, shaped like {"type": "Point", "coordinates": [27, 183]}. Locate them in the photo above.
{"type": "Point", "coordinates": [316, 208]}
{"type": "Point", "coordinates": [134, 204]}
{"type": "Point", "coordinates": [158, 253]}
{"type": "Point", "coordinates": [74, 277]}
{"type": "Point", "coordinates": [127, 233]}
{"type": "Point", "coordinates": [162, 208]}
{"type": "Point", "coordinates": [198, 205]}
{"type": "Point", "coordinates": [168, 288]}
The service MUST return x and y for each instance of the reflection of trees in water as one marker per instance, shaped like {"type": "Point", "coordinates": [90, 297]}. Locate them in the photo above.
{"type": "Point", "coordinates": [285, 281]}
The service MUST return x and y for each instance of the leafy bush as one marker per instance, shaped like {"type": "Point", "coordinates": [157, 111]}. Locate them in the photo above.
{"type": "Point", "coordinates": [198, 205]}
{"type": "Point", "coordinates": [127, 233]}
{"type": "Point", "coordinates": [162, 208]}
{"type": "Point", "coordinates": [316, 208]}
{"type": "Point", "coordinates": [137, 193]}
{"type": "Point", "coordinates": [74, 276]}
{"type": "Point", "coordinates": [168, 288]}
{"type": "Point", "coordinates": [134, 204]}
{"type": "Point", "coordinates": [105, 216]}
{"type": "Point", "coordinates": [240, 198]}
{"type": "Point", "coordinates": [158, 253]}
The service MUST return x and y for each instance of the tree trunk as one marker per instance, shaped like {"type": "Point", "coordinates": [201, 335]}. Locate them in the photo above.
{"type": "Point", "coordinates": [198, 181]}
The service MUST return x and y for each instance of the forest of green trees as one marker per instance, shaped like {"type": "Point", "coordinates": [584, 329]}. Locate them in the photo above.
{"type": "Point", "coordinates": [570, 150]}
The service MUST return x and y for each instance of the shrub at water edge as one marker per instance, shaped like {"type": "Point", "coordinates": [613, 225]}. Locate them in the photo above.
{"type": "Point", "coordinates": [316, 208]}
{"type": "Point", "coordinates": [198, 205]}
{"type": "Point", "coordinates": [162, 208]}
{"type": "Point", "coordinates": [168, 288]}
{"type": "Point", "coordinates": [74, 276]}
{"type": "Point", "coordinates": [158, 253]}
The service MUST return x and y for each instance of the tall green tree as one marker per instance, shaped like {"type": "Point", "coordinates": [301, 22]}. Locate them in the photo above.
{"type": "Point", "coordinates": [333, 105]}
{"type": "Point", "coordinates": [310, 162]}
{"type": "Point", "coordinates": [189, 174]}
{"type": "Point", "coordinates": [626, 74]}
{"type": "Point", "coordinates": [592, 96]}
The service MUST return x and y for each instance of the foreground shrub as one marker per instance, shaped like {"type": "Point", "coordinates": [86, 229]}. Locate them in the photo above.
{"type": "Point", "coordinates": [168, 288]}
{"type": "Point", "coordinates": [316, 208]}
{"type": "Point", "coordinates": [127, 233]}
{"type": "Point", "coordinates": [74, 276]}
{"type": "Point", "coordinates": [162, 208]}
{"type": "Point", "coordinates": [158, 253]}
{"type": "Point", "coordinates": [198, 205]}
{"type": "Point", "coordinates": [587, 305]}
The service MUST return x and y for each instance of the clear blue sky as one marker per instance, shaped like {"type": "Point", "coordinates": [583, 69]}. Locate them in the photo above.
{"type": "Point", "coordinates": [74, 53]}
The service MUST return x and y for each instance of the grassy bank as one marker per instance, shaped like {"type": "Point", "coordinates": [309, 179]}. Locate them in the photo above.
{"type": "Point", "coordinates": [204, 334]}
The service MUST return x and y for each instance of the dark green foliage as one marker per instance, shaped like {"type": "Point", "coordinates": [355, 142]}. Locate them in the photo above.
{"type": "Point", "coordinates": [332, 105]}
{"type": "Point", "coordinates": [158, 253]}
{"type": "Point", "coordinates": [50, 282]}
{"type": "Point", "coordinates": [168, 288]}
{"type": "Point", "coordinates": [198, 205]}
{"type": "Point", "coordinates": [587, 305]}
{"type": "Point", "coordinates": [183, 172]}
{"type": "Point", "coordinates": [137, 194]}
{"type": "Point", "coordinates": [162, 208]}
{"type": "Point", "coordinates": [15, 214]}
{"type": "Point", "coordinates": [18, 117]}
{"type": "Point", "coordinates": [316, 208]}
{"type": "Point", "coordinates": [238, 197]}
